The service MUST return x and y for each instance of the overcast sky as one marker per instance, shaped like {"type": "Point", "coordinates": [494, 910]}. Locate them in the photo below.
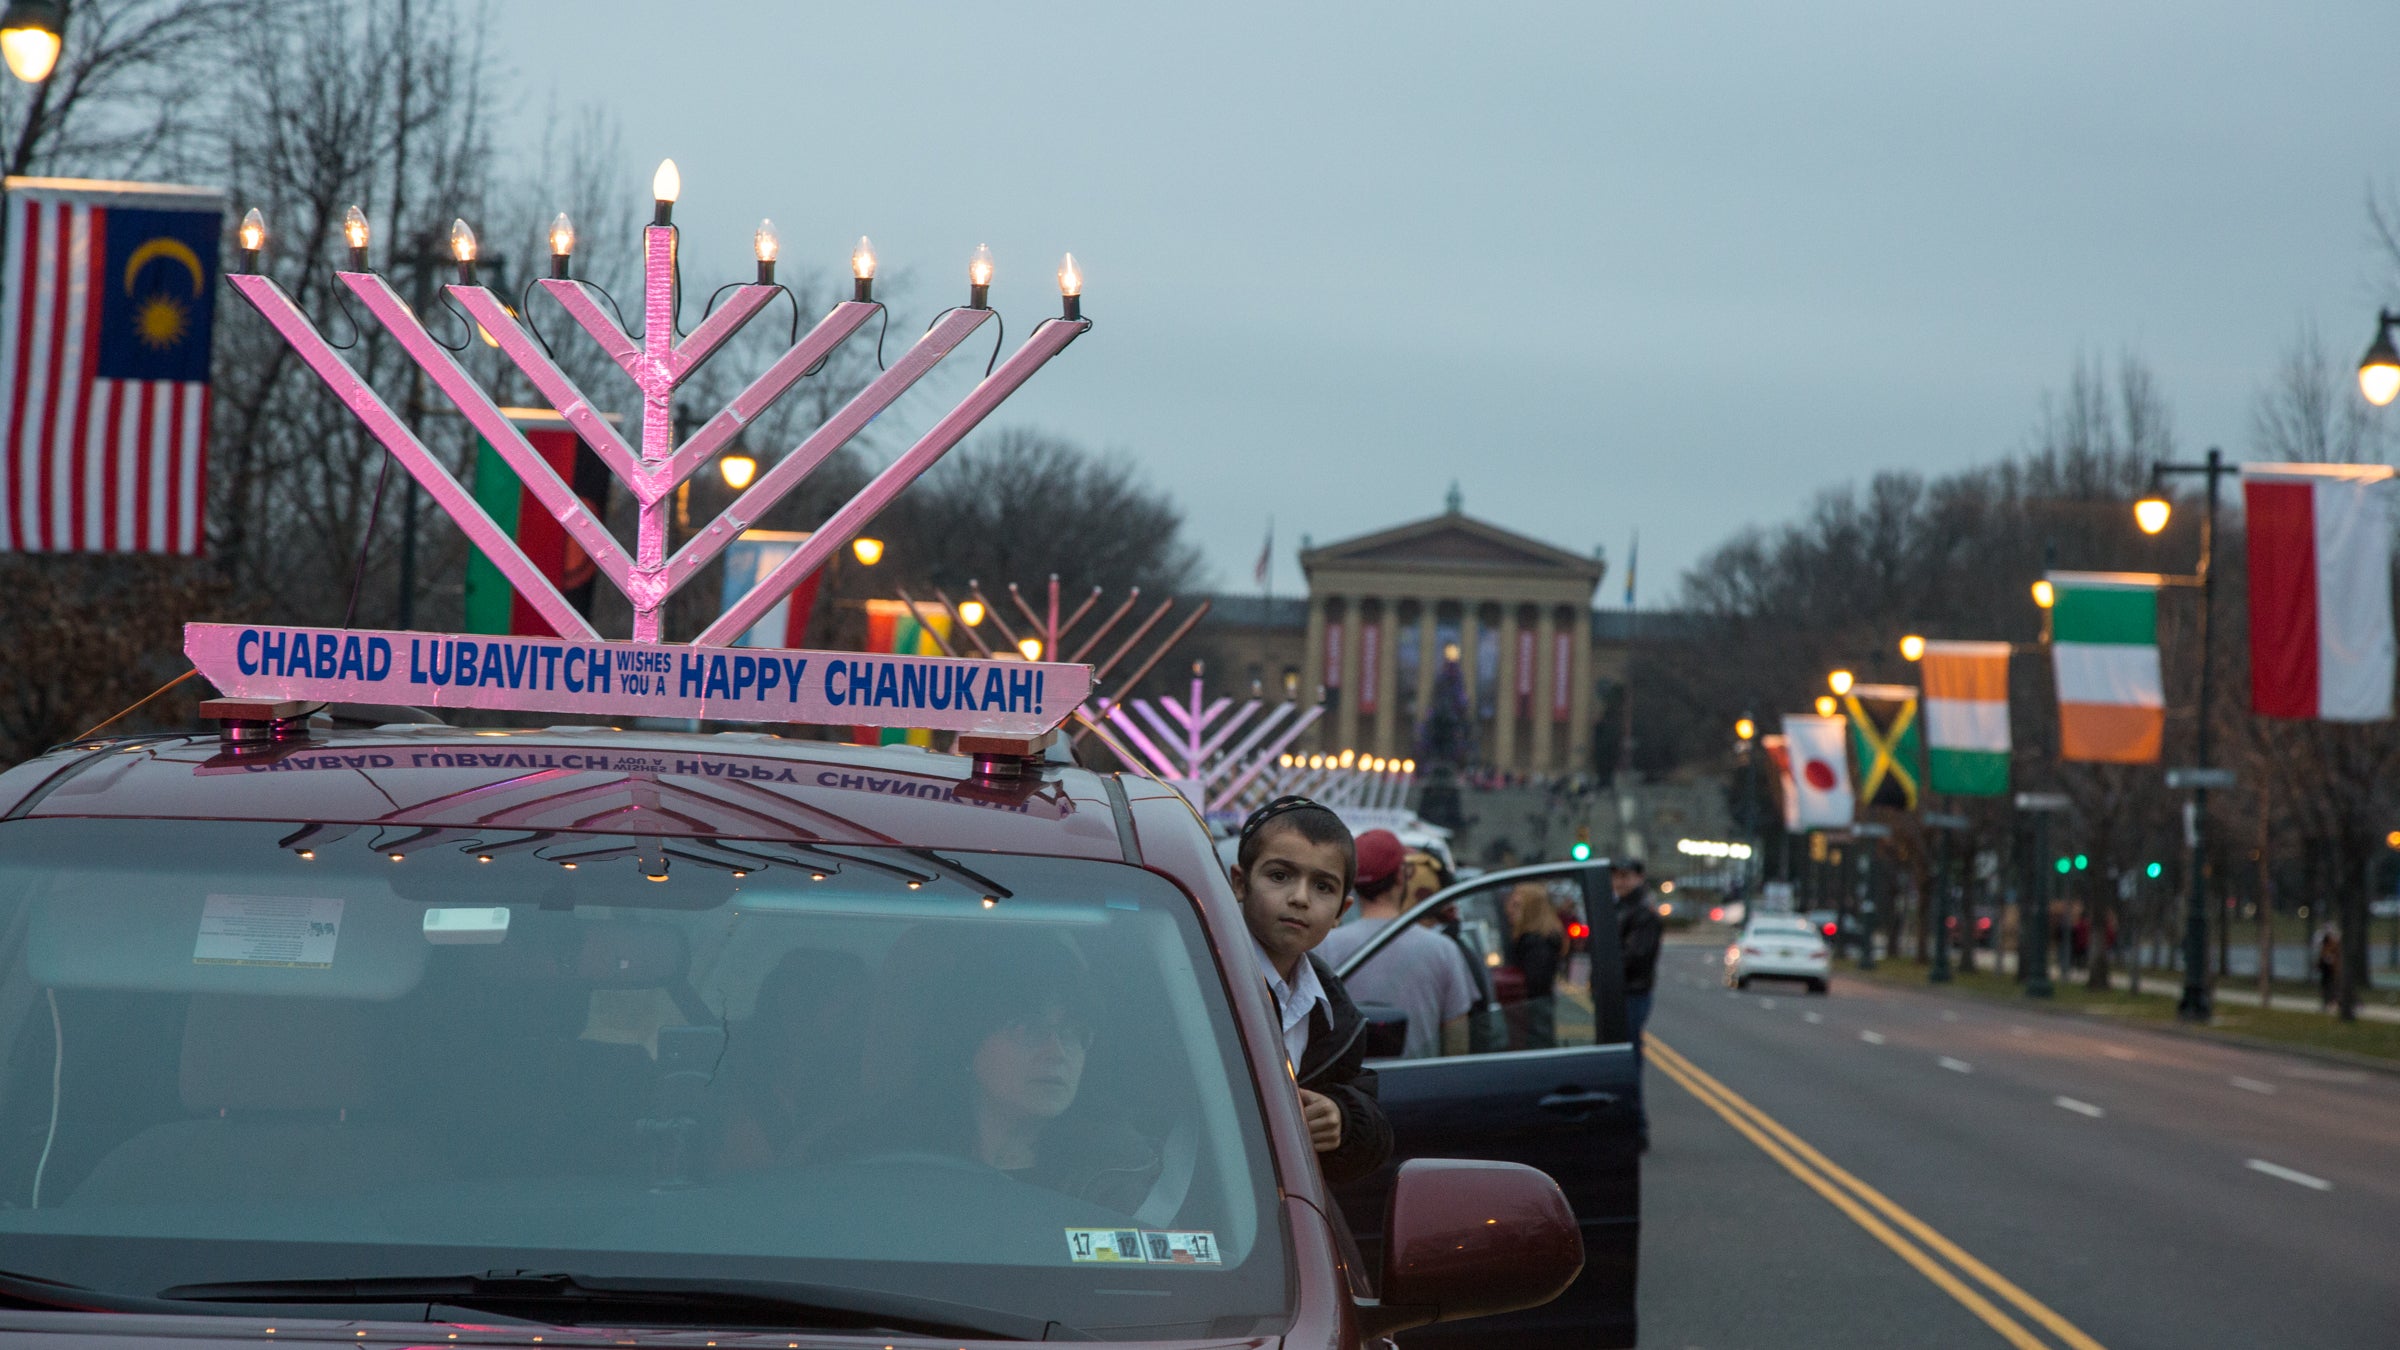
{"type": "Point", "coordinates": [1607, 265]}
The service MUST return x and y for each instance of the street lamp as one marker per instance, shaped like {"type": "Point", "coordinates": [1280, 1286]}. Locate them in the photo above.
{"type": "Point", "coordinates": [738, 470]}
{"type": "Point", "coordinates": [1840, 682]}
{"type": "Point", "coordinates": [2151, 512]}
{"type": "Point", "coordinates": [2378, 370]}
{"type": "Point", "coordinates": [2194, 1006]}
{"type": "Point", "coordinates": [868, 551]}
{"type": "Point", "coordinates": [1744, 729]}
{"type": "Point", "coordinates": [2044, 594]}
{"type": "Point", "coordinates": [970, 612]}
{"type": "Point", "coordinates": [1826, 707]}
{"type": "Point", "coordinates": [1912, 648]}
{"type": "Point", "coordinates": [30, 34]}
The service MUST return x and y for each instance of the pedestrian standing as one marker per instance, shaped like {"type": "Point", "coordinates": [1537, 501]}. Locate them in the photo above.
{"type": "Point", "coordinates": [2328, 948]}
{"type": "Point", "coordinates": [1638, 934]}
{"type": "Point", "coordinates": [1537, 946]}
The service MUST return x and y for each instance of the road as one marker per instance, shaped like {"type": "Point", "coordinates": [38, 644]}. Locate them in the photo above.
{"type": "Point", "coordinates": [2044, 1180]}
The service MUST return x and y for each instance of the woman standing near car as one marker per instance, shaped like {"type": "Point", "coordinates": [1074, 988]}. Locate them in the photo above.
{"type": "Point", "coordinates": [1537, 945]}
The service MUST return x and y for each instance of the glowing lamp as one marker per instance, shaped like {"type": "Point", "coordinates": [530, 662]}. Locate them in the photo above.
{"type": "Point", "coordinates": [2044, 594]}
{"type": "Point", "coordinates": [1347, 757]}
{"type": "Point", "coordinates": [253, 236]}
{"type": "Point", "coordinates": [2151, 514]}
{"type": "Point", "coordinates": [1840, 682]}
{"type": "Point", "coordinates": [1744, 729]}
{"type": "Point", "coordinates": [1030, 648]}
{"type": "Point", "coordinates": [462, 247]}
{"type": "Point", "coordinates": [2378, 371]}
{"type": "Point", "coordinates": [766, 244]}
{"type": "Point", "coordinates": [1070, 287]}
{"type": "Point", "coordinates": [971, 613]}
{"type": "Point", "coordinates": [862, 269]}
{"type": "Point", "coordinates": [29, 39]}
{"type": "Point", "coordinates": [1912, 648]}
{"type": "Point", "coordinates": [562, 244]}
{"type": "Point", "coordinates": [738, 470]}
{"type": "Point", "coordinates": [868, 551]}
{"type": "Point", "coordinates": [1825, 705]}
{"type": "Point", "coordinates": [356, 234]}
{"type": "Point", "coordinates": [1408, 766]}
{"type": "Point", "coordinates": [979, 278]}
{"type": "Point", "coordinates": [665, 186]}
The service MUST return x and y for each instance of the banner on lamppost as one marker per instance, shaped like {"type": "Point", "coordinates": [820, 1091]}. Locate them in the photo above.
{"type": "Point", "coordinates": [2320, 544]}
{"type": "Point", "coordinates": [1886, 744]}
{"type": "Point", "coordinates": [1966, 718]}
{"type": "Point", "coordinates": [1816, 773]}
{"type": "Point", "coordinates": [2104, 646]}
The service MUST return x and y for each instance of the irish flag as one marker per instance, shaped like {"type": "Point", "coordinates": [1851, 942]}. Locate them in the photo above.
{"type": "Point", "coordinates": [2320, 590]}
{"type": "Point", "coordinates": [1966, 717]}
{"type": "Point", "coordinates": [2104, 645]}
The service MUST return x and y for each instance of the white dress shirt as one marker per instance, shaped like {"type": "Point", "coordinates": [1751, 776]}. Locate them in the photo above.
{"type": "Point", "coordinates": [1294, 1001]}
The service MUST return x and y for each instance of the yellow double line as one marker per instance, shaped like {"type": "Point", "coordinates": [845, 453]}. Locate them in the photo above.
{"type": "Point", "coordinates": [1908, 1236]}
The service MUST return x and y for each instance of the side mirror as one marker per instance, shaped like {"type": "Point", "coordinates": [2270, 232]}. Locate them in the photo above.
{"type": "Point", "coordinates": [1469, 1239]}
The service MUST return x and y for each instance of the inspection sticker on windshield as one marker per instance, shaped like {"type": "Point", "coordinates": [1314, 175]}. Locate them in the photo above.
{"type": "Point", "coordinates": [294, 931]}
{"type": "Point", "coordinates": [1104, 1244]}
{"type": "Point", "coordinates": [1181, 1249]}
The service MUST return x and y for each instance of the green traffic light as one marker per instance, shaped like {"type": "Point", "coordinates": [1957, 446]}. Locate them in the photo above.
{"type": "Point", "coordinates": [2081, 862]}
{"type": "Point", "coordinates": [2065, 866]}
{"type": "Point", "coordinates": [1582, 852]}
{"type": "Point", "coordinates": [2156, 870]}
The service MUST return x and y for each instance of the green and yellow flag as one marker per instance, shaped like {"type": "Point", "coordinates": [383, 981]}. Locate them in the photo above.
{"type": "Point", "coordinates": [1887, 747]}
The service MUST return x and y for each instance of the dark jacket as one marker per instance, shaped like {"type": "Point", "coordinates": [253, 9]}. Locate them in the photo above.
{"type": "Point", "coordinates": [1335, 1065]}
{"type": "Point", "coordinates": [1638, 933]}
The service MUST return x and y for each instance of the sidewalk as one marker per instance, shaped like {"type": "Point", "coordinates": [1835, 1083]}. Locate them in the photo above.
{"type": "Point", "coordinates": [2233, 991]}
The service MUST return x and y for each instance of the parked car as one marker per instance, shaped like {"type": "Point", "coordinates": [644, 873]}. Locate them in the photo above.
{"type": "Point", "coordinates": [1779, 947]}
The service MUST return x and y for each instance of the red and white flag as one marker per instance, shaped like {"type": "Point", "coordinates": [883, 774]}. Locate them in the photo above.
{"type": "Point", "coordinates": [1816, 773]}
{"type": "Point", "coordinates": [107, 299]}
{"type": "Point", "coordinates": [2320, 540]}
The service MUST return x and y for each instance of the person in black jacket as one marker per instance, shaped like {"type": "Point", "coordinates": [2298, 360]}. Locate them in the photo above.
{"type": "Point", "coordinates": [1293, 874]}
{"type": "Point", "coordinates": [1638, 933]}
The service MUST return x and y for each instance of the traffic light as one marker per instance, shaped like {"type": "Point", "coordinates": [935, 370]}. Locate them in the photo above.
{"type": "Point", "coordinates": [2065, 865]}
{"type": "Point", "coordinates": [2155, 870]}
{"type": "Point", "coordinates": [1581, 849]}
{"type": "Point", "coordinates": [2082, 862]}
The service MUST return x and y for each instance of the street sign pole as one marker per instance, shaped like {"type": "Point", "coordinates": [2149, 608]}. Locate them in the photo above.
{"type": "Point", "coordinates": [2033, 910]}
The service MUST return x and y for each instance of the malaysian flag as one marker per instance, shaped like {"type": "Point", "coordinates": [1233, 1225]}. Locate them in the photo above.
{"type": "Point", "coordinates": [107, 297]}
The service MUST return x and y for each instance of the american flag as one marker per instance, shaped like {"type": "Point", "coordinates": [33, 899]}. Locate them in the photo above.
{"type": "Point", "coordinates": [107, 299]}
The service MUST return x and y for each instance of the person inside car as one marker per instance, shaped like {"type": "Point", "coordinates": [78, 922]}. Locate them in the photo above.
{"type": "Point", "coordinates": [998, 1079]}
{"type": "Point", "coordinates": [1292, 874]}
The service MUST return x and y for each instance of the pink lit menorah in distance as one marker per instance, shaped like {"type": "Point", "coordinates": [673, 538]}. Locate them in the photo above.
{"type": "Point", "coordinates": [657, 362]}
{"type": "Point", "coordinates": [1191, 745]}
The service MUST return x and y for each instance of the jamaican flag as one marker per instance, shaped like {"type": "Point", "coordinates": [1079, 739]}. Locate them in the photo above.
{"type": "Point", "coordinates": [493, 606]}
{"type": "Point", "coordinates": [1887, 747]}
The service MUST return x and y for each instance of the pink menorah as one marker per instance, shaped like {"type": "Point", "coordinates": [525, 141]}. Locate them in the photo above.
{"type": "Point", "coordinates": [657, 362]}
{"type": "Point", "coordinates": [1192, 746]}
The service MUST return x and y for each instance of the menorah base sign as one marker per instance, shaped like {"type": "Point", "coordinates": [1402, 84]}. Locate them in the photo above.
{"type": "Point", "coordinates": [637, 679]}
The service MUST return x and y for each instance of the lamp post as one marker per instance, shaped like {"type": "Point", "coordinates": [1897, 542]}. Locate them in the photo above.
{"type": "Point", "coordinates": [1745, 734]}
{"type": "Point", "coordinates": [2151, 515]}
{"type": "Point", "coordinates": [31, 32]}
{"type": "Point", "coordinates": [2379, 369]}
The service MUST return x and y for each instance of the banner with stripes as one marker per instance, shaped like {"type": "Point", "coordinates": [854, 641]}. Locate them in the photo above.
{"type": "Point", "coordinates": [2104, 647]}
{"type": "Point", "coordinates": [107, 301]}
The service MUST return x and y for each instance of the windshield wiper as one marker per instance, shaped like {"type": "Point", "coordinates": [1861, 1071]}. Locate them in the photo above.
{"type": "Point", "coordinates": [565, 1299]}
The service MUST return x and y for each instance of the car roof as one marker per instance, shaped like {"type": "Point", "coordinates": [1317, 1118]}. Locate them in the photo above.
{"type": "Point", "coordinates": [595, 779]}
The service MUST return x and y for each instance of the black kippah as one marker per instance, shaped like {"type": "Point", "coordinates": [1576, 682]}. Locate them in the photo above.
{"type": "Point", "coordinates": [1281, 806]}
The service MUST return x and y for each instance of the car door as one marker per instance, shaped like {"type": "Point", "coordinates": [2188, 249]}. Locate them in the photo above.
{"type": "Point", "coordinates": [1549, 1082]}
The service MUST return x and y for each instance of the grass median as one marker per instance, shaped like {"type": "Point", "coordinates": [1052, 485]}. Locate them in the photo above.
{"type": "Point", "coordinates": [2155, 1005]}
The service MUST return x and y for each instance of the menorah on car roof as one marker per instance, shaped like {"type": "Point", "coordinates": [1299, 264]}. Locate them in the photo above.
{"type": "Point", "coordinates": [657, 361]}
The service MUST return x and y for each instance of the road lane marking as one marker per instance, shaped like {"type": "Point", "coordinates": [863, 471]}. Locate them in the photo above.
{"type": "Point", "coordinates": [1871, 1037]}
{"type": "Point", "coordinates": [1824, 1176]}
{"type": "Point", "coordinates": [2287, 1174]}
{"type": "Point", "coordinates": [2020, 1031]}
{"type": "Point", "coordinates": [1955, 1065]}
{"type": "Point", "coordinates": [1812, 1018]}
{"type": "Point", "coordinates": [1766, 1003]}
{"type": "Point", "coordinates": [1949, 1015]}
{"type": "Point", "coordinates": [2253, 1085]}
{"type": "Point", "coordinates": [2079, 1108]}
{"type": "Point", "coordinates": [2118, 1052]}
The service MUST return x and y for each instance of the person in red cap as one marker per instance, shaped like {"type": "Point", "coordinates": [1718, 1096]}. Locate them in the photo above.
{"type": "Point", "coordinates": [1419, 972]}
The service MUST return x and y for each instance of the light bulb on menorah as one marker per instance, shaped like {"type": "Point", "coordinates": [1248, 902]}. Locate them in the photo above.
{"type": "Point", "coordinates": [658, 362]}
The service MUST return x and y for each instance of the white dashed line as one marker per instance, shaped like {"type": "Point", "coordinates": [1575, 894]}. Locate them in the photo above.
{"type": "Point", "coordinates": [2253, 1085]}
{"type": "Point", "coordinates": [1812, 1018]}
{"type": "Point", "coordinates": [1766, 1003]}
{"type": "Point", "coordinates": [1871, 1037]}
{"type": "Point", "coordinates": [2118, 1052]}
{"type": "Point", "coordinates": [1955, 1065]}
{"type": "Point", "coordinates": [2020, 1031]}
{"type": "Point", "coordinates": [2079, 1108]}
{"type": "Point", "coordinates": [1949, 1015]}
{"type": "Point", "coordinates": [2287, 1174]}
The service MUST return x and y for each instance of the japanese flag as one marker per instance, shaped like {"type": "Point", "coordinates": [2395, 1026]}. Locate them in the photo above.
{"type": "Point", "coordinates": [1816, 772]}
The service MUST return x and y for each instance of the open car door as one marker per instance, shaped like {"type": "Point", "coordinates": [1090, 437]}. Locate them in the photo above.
{"type": "Point", "coordinates": [1545, 1078]}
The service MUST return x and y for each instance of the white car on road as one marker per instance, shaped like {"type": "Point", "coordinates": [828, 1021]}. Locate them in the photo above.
{"type": "Point", "coordinates": [1778, 947]}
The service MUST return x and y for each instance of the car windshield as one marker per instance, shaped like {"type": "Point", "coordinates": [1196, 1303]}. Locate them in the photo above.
{"type": "Point", "coordinates": [240, 1052]}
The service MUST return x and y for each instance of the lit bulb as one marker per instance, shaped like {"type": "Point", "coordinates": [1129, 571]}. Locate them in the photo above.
{"type": "Point", "coordinates": [1070, 278]}
{"type": "Point", "coordinates": [1840, 681]}
{"type": "Point", "coordinates": [862, 269]}
{"type": "Point", "coordinates": [868, 551]}
{"type": "Point", "coordinates": [1348, 756]}
{"type": "Point", "coordinates": [738, 471]}
{"type": "Point", "coordinates": [1030, 648]}
{"type": "Point", "coordinates": [1825, 705]}
{"type": "Point", "coordinates": [462, 241]}
{"type": "Point", "coordinates": [2150, 513]}
{"type": "Point", "coordinates": [2044, 594]}
{"type": "Point", "coordinates": [562, 235]}
{"type": "Point", "coordinates": [1912, 648]}
{"type": "Point", "coordinates": [2380, 383]}
{"type": "Point", "coordinates": [253, 236]}
{"type": "Point", "coordinates": [354, 229]}
{"type": "Point", "coordinates": [971, 613]}
{"type": "Point", "coordinates": [30, 45]}
{"type": "Point", "coordinates": [1408, 766]}
{"type": "Point", "coordinates": [979, 275]}
{"type": "Point", "coordinates": [1744, 729]}
{"type": "Point", "coordinates": [667, 184]}
{"type": "Point", "coordinates": [765, 242]}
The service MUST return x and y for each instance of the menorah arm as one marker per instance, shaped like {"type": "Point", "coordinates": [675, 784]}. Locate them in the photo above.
{"type": "Point", "coordinates": [1160, 766]}
{"type": "Point", "coordinates": [286, 317]}
{"type": "Point", "coordinates": [576, 299]}
{"type": "Point", "coordinates": [1047, 341]}
{"type": "Point", "coordinates": [553, 385]}
{"type": "Point", "coordinates": [831, 332]}
{"type": "Point", "coordinates": [691, 353]}
{"type": "Point", "coordinates": [1226, 795]}
{"type": "Point", "coordinates": [820, 445]}
{"type": "Point", "coordinates": [1149, 712]}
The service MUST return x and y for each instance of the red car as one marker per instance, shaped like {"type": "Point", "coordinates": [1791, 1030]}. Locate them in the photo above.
{"type": "Point", "coordinates": [417, 1035]}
